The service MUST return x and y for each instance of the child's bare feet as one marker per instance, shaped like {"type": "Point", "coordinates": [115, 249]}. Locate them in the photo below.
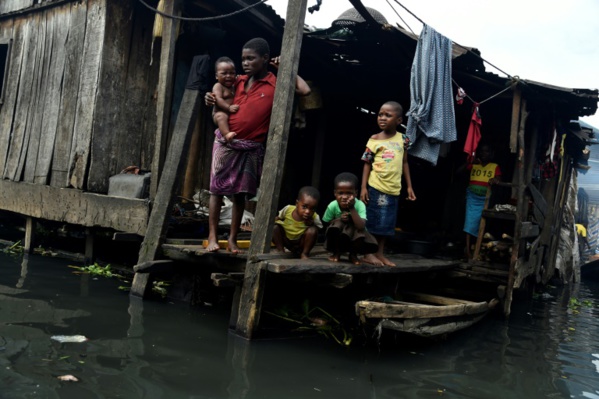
{"type": "Point", "coordinates": [354, 259]}
{"type": "Point", "coordinates": [372, 260]}
{"type": "Point", "coordinates": [304, 256]}
{"type": "Point", "coordinates": [334, 258]}
{"type": "Point", "coordinates": [385, 261]}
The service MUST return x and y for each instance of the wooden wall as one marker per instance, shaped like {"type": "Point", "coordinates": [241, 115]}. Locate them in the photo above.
{"type": "Point", "coordinates": [79, 103]}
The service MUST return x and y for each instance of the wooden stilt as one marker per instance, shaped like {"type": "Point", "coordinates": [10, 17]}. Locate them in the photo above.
{"type": "Point", "coordinates": [174, 166]}
{"type": "Point", "coordinates": [253, 284]}
{"type": "Point", "coordinates": [89, 247]}
{"type": "Point", "coordinates": [29, 235]}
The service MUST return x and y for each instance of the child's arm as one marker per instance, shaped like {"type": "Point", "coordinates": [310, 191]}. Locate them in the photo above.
{"type": "Point", "coordinates": [359, 223]}
{"type": "Point", "coordinates": [367, 158]}
{"type": "Point", "coordinates": [406, 173]}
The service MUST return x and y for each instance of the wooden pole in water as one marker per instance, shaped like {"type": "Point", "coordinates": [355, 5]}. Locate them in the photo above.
{"type": "Point", "coordinates": [173, 168]}
{"type": "Point", "coordinates": [278, 134]}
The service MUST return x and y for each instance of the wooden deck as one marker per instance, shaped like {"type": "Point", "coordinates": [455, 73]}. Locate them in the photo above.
{"type": "Point", "coordinates": [192, 251]}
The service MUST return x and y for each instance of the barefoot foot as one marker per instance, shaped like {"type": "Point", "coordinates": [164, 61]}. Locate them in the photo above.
{"type": "Point", "coordinates": [385, 261]}
{"type": "Point", "coordinates": [334, 258]}
{"type": "Point", "coordinates": [372, 260]}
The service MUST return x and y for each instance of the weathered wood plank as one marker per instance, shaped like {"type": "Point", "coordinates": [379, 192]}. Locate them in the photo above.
{"type": "Point", "coordinates": [69, 95]}
{"type": "Point", "coordinates": [7, 6]}
{"type": "Point", "coordinates": [29, 235]}
{"type": "Point", "coordinates": [52, 104]}
{"type": "Point", "coordinates": [278, 134]}
{"type": "Point", "coordinates": [164, 92]}
{"type": "Point", "coordinates": [23, 101]}
{"type": "Point", "coordinates": [323, 265]}
{"type": "Point", "coordinates": [87, 96]}
{"type": "Point", "coordinates": [153, 266]}
{"type": "Point", "coordinates": [407, 310]}
{"type": "Point", "coordinates": [515, 119]}
{"type": "Point", "coordinates": [109, 133]}
{"type": "Point", "coordinates": [163, 201]}
{"type": "Point", "coordinates": [73, 206]}
{"type": "Point", "coordinates": [38, 93]}
{"type": "Point", "coordinates": [7, 111]}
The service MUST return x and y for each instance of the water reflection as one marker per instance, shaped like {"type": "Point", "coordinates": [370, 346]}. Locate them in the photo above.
{"type": "Point", "coordinates": [140, 349]}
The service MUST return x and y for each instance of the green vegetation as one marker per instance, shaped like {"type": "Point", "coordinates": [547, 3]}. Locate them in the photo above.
{"type": "Point", "coordinates": [15, 249]}
{"type": "Point", "coordinates": [314, 319]}
{"type": "Point", "coordinates": [97, 270]}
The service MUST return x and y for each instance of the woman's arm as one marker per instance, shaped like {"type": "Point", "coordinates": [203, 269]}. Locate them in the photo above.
{"type": "Point", "coordinates": [301, 87]}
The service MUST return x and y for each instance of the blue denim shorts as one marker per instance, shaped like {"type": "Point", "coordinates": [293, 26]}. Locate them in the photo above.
{"type": "Point", "coordinates": [381, 213]}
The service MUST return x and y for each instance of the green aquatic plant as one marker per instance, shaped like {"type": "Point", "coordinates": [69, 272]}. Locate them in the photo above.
{"type": "Point", "coordinates": [97, 270]}
{"type": "Point", "coordinates": [575, 304]}
{"type": "Point", "coordinates": [14, 249]}
{"type": "Point", "coordinates": [314, 319]}
{"type": "Point", "coordinates": [159, 287]}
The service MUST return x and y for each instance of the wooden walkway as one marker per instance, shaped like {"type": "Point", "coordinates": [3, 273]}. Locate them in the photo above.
{"type": "Point", "coordinates": [193, 252]}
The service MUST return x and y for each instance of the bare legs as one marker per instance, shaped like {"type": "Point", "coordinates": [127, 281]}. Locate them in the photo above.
{"type": "Point", "coordinates": [303, 246]}
{"type": "Point", "coordinates": [214, 208]}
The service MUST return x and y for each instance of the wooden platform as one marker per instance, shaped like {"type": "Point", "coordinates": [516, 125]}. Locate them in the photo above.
{"type": "Point", "coordinates": [188, 251]}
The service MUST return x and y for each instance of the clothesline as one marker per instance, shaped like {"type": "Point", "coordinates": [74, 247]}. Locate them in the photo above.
{"type": "Point", "coordinates": [216, 17]}
{"type": "Point", "coordinates": [514, 82]}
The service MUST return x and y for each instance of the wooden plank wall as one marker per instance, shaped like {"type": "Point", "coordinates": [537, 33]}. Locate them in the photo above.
{"type": "Point", "coordinates": [7, 6]}
{"type": "Point", "coordinates": [79, 103]}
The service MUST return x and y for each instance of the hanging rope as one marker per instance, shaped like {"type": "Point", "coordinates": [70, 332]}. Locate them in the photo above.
{"type": "Point", "coordinates": [457, 44]}
{"type": "Point", "coordinates": [217, 17]}
{"type": "Point", "coordinates": [399, 16]}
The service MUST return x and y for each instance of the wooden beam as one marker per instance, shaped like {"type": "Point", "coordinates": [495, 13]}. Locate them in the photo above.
{"type": "Point", "coordinates": [515, 119]}
{"type": "Point", "coordinates": [29, 235]}
{"type": "Point", "coordinates": [363, 12]}
{"type": "Point", "coordinates": [174, 166]}
{"type": "Point", "coordinates": [164, 91]}
{"type": "Point", "coordinates": [89, 246]}
{"type": "Point", "coordinates": [74, 206]}
{"type": "Point", "coordinates": [268, 201]}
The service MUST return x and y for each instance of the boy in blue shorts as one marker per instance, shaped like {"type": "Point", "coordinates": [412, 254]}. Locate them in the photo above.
{"type": "Point", "coordinates": [385, 161]}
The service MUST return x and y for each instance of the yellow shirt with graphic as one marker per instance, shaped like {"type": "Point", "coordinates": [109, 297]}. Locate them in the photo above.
{"type": "Point", "coordinates": [294, 229]}
{"type": "Point", "coordinates": [480, 176]}
{"type": "Point", "coordinates": [387, 163]}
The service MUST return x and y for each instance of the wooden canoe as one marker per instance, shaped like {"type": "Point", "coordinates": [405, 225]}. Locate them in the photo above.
{"type": "Point", "coordinates": [425, 315]}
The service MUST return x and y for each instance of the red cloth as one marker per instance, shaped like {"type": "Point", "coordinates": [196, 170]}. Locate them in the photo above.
{"type": "Point", "coordinates": [473, 134]}
{"type": "Point", "coordinates": [255, 107]}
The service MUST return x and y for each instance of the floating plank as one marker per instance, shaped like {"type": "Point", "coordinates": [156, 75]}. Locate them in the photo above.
{"type": "Point", "coordinates": [70, 94]}
{"type": "Point", "coordinates": [87, 95]}
{"type": "Point", "coordinates": [411, 310]}
{"type": "Point", "coordinates": [421, 327]}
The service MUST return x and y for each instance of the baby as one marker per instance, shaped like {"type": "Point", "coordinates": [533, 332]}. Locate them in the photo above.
{"type": "Point", "coordinates": [347, 217]}
{"type": "Point", "coordinates": [296, 226]}
{"type": "Point", "coordinates": [224, 92]}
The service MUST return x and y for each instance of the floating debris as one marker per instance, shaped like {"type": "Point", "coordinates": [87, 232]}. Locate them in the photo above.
{"type": "Point", "coordinates": [68, 377]}
{"type": "Point", "coordinates": [69, 338]}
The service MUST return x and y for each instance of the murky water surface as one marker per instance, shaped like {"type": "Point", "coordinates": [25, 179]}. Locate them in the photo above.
{"type": "Point", "coordinates": [169, 350]}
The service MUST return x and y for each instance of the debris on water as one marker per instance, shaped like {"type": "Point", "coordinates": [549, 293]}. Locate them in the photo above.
{"type": "Point", "coordinates": [69, 338]}
{"type": "Point", "coordinates": [68, 377]}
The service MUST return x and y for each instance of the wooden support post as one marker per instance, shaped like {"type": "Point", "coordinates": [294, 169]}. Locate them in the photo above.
{"type": "Point", "coordinates": [515, 119]}
{"type": "Point", "coordinates": [29, 235]}
{"type": "Point", "coordinates": [164, 91]}
{"type": "Point", "coordinates": [268, 200]}
{"type": "Point", "coordinates": [521, 204]}
{"type": "Point", "coordinates": [89, 247]}
{"type": "Point", "coordinates": [174, 166]}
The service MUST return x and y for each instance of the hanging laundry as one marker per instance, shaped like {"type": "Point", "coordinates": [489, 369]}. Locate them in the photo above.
{"type": "Point", "coordinates": [473, 136]}
{"type": "Point", "coordinates": [460, 95]}
{"type": "Point", "coordinates": [431, 114]}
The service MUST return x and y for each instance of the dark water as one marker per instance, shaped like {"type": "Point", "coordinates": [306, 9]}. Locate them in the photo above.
{"type": "Point", "coordinates": [168, 350]}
